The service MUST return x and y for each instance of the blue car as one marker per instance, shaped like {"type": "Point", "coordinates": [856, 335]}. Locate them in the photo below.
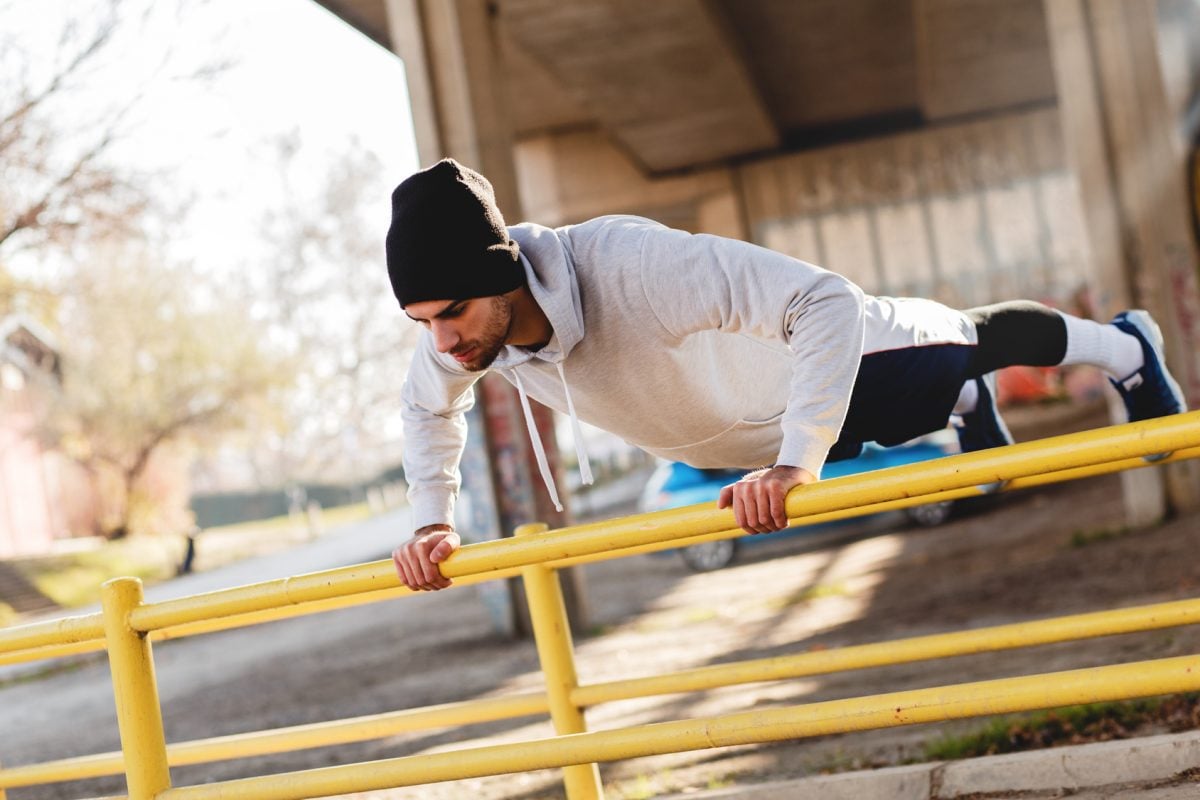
{"type": "Point", "coordinates": [675, 484]}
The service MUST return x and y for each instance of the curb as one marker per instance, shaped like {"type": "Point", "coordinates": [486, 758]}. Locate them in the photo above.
{"type": "Point", "coordinates": [1139, 760]}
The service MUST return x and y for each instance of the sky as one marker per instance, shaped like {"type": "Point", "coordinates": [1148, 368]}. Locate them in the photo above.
{"type": "Point", "coordinates": [295, 67]}
{"type": "Point", "coordinates": [292, 67]}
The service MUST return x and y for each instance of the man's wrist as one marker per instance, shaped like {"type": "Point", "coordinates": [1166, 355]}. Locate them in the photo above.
{"type": "Point", "coordinates": [434, 528]}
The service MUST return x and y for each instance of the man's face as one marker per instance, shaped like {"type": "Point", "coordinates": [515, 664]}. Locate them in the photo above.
{"type": "Point", "coordinates": [472, 331]}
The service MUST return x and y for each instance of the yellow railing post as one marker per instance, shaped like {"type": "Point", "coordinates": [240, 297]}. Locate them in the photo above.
{"type": "Point", "coordinates": [552, 633]}
{"type": "Point", "coordinates": [135, 688]}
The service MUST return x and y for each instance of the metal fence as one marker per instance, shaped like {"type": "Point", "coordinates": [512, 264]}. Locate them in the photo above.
{"type": "Point", "coordinates": [127, 626]}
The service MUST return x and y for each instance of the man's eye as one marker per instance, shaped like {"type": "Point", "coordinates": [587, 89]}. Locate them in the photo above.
{"type": "Point", "coordinates": [452, 312]}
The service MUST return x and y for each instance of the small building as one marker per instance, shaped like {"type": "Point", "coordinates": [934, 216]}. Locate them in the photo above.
{"type": "Point", "coordinates": [43, 496]}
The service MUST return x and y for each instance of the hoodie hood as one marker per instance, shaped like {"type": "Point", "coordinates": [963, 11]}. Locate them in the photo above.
{"type": "Point", "coordinates": [550, 274]}
{"type": "Point", "coordinates": [555, 289]}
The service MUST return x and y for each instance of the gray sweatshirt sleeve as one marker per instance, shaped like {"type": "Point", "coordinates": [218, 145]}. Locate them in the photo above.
{"type": "Point", "coordinates": [702, 282]}
{"type": "Point", "coordinates": [433, 402]}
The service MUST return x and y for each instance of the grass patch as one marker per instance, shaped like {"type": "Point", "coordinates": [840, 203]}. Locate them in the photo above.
{"type": "Point", "coordinates": [716, 782]}
{"type": "Point", "coordinates": [643, 786]}
{"type": "Point", "coordinates": [1096, 722]}
{"type": "Point", "coordinates": [1084, 538]}
{"type": "Point", "coordinates": [74, 580]}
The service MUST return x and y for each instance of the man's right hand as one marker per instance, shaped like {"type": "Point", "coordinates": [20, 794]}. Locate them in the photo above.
{"type": "Point", "coordinates": [417, 559]}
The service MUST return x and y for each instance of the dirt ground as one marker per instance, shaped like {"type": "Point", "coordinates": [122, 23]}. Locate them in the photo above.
{"type": "Point", "coordinates": [1055, 551]}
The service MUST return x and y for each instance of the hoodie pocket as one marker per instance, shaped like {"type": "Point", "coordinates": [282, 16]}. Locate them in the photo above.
{"type": "Point", "coordinates": [746, 444]}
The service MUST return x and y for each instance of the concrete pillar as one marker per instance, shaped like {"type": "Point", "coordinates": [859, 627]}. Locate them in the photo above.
{"type": "Point", "coordinates": [459, 107]}
{"type": "Point", "coordinates": [1117, 132]}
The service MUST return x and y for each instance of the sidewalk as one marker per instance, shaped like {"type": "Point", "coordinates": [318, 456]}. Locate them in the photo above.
{"type": "Point", "coordinates": [1163, 767]}
{"type": "Point", "coordinates": [369, 540]}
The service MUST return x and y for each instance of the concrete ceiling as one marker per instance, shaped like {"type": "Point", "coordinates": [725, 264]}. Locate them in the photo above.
{"type": "Point", "coordinates": [684, 83]}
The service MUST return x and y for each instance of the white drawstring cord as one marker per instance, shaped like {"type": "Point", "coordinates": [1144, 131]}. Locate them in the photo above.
{"type": "Point", "coordinates": [585, 466]}
{"type": "Point", "coordinates": [539, 452]}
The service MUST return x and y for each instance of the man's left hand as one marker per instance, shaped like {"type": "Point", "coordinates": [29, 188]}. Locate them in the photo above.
{"type": "Point", "coordinates": [757, 500]}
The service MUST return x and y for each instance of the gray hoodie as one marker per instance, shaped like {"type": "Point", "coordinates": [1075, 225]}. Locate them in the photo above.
{"type": "Point", "coordinates": [695, 348]}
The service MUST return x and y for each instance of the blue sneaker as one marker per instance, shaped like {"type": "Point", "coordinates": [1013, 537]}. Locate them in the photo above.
{"type": "Point", "coordinates": [1150, 391]}
{"type": "Point", "coordinates": [983, 428]}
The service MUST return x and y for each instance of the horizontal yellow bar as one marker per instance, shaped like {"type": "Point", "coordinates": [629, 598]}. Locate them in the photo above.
{"type": "Point", "coordinates": [921, 648]}
{"type": "Point", "coordinates": [1071, 451]}
{"type": "Point", "coordinates": [67, 630]}
{"type": "Point", "coordinates": [283, 740]}
{"type": "Point", "coordinates": [268, 594]}
{"type": "Point", "coordinates": [899, 651]}
{"type": "Point", "coordinates": [87, 628]}
{"type": "Point", "coordinates": [960, 701]}
{"type": "Point", "coordinates": [51, 651]}
{"type": "Point", "coordinates": [1068, 452]}
{"type": "Point", "coordinates": [65, 769]}
{"type": "Point", "coordinates": [350, 600]}
{"type": "Point", "coordinates": [309, 607]}
{"type": "Point", "coordinates": [84, 634]}
{"type": "Point", "coordinates": [1026, 482]}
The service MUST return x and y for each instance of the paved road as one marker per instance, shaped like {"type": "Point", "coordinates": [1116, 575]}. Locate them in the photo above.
{"type": "Point", "coordinates": [356, 543]}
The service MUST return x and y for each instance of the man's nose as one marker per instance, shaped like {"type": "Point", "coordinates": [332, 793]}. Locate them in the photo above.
{"type": "Point", "coordinates": [444, 337]}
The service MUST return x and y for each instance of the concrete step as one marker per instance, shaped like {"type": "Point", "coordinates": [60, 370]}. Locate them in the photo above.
{"type": "Point", "coordinates": [22, 596]}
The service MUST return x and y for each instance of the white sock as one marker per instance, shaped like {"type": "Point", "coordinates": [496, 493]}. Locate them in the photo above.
{"type": "Point", "coordinates": [968, 398]}
{"type": "Point", "coordinates": [1102, 345]}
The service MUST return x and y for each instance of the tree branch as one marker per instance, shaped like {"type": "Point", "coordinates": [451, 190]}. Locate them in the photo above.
{"type": "Point", "coordinates": [96, 45]}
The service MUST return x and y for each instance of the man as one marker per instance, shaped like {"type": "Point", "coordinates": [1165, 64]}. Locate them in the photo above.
{"type": "Point", "coordinates": [699, 349]}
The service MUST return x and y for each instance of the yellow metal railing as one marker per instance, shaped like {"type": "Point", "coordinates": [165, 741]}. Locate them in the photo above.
{"type": "Point", "coordinates": [127, 626]}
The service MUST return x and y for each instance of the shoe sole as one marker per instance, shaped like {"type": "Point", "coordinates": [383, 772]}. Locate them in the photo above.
{"type": "Point", "coordinates": [1152, 334]}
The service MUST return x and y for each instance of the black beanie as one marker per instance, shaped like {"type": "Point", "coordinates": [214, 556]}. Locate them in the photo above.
{"type": "Point", "coordinates": [447, 240]}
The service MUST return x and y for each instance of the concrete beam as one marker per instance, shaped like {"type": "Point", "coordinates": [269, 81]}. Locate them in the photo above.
{"type": "Point", "coordinates": [666, 80]}
{"type": "Point", "coordinates": [981, 55]}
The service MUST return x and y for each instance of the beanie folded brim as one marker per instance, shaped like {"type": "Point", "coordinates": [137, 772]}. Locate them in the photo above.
{"type": "Point", "coordinates": [447, 240]}
{"type": "Point", "coordinates": [496, 270]}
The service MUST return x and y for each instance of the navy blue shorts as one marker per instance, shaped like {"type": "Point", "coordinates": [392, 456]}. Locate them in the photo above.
{"type": "Point", "coordinates": [901, 394]}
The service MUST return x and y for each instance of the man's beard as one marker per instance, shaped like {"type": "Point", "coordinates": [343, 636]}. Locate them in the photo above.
{"type": "Point", "coordinates": [491, 341]}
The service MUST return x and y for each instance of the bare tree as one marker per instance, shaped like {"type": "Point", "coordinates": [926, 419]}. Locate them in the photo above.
{"type": "Point", "coordinates": [332, 307]}
{"type": "Point", "coordinates": [61, 116]}
{"type": "Point", "coordinates": [157, 357]}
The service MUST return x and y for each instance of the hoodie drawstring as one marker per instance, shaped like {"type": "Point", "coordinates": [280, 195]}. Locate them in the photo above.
{"type": "Point", "coordinates": [585, 466]}
{"type": "Point", "coordinates": [539, 452]}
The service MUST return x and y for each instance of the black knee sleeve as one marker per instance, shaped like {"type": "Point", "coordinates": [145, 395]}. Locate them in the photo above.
{"type": "Point", "coordinates": [1017, 332]}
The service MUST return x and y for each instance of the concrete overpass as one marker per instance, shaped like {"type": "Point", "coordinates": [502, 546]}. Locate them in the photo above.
{"type": "Point", "coordinates": [969, 150]}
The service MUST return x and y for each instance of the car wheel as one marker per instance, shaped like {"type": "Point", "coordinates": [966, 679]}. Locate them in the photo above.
{"type": "Point", "coordinates": [931, 514]}
{"type": "Point", "coordinates": [710, 555]}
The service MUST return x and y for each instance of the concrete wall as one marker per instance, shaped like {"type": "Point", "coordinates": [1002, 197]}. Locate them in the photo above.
{"type": "Point", "coordinates": [968, 213]}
